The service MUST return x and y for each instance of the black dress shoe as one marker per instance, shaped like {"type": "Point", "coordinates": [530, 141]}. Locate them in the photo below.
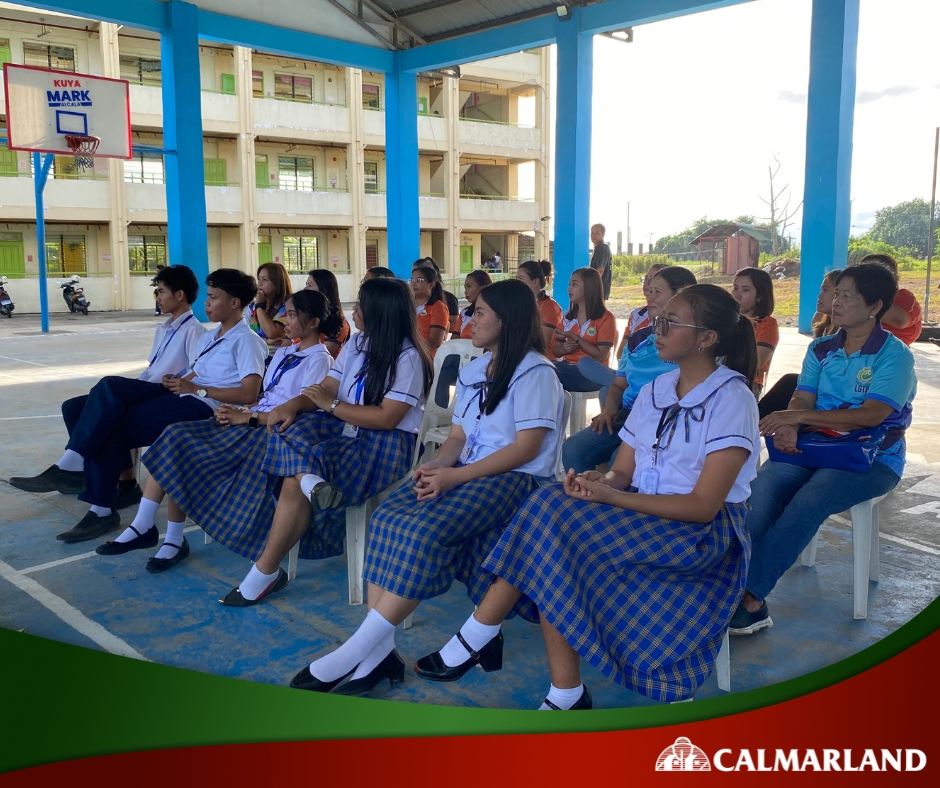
{"type": "Point", "coordinates": [148, 538]}
{"type": "Point", "coordinates": [234, 597]}
{"type": "Point", "coordinates": [325, 495]}
{"type": "Point", "coordinates": [127, 497]}
{"type": "Point", "coordinates": [305, 680]}
{"type": "Point", "coordinates": [584, 702]}
{"type": "Point", "coordinates": [490, 658]}
{"type": "Point", "coordinates": [156, 565]}
{"type": "Point", "coordinates": [90, 526]}
{"type": "Point", "coordinates": [391, 668]}
{"type": "Point", "coordinates": [50, 480]}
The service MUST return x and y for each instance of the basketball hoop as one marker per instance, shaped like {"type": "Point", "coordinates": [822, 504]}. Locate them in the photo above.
{"type": "Point", "coordinates": [84, 147]}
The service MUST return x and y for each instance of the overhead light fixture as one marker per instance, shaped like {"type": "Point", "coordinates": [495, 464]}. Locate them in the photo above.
{"type": "Point", "coordinates": [563, 12]}
{"type": "Point", "coordinates": [451, 72]}
{"type": "Point", "coordinates": [625, 35]}
{"type": "Point", "coordinates": [545, 218]}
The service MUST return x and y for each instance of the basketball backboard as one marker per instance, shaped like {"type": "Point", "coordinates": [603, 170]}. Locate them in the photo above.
{"type": "Point", "coordinates": [44, 105]}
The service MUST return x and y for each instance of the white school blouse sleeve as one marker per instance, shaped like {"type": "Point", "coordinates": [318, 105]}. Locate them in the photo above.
{"type": "Point", "coordinates": [732, 419]}
{"type": "Point", "coordinates": [346, 357]}
{"type": "Point", "coordinates": [250, 352]}
{"type": "Point", "coordinates": [535, 398]}
{"type": "Point", "coordinates": [409, 378]}
{"type": "Point", "coordinates": [316, 366]}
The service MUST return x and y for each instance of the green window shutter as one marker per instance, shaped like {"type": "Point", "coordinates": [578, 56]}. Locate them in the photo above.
{"type": "Point", "coordinates": [466, 259]}
{"type": "Point", "coordinates": [5, 56]}
{"type": "Point", "coordinates": [215, 172]}
{"type": "Point", "coordinates": [265, 253]}
{"type": "Point", "coordinates": [228, 83]}
{"type": "Point", "coordinates": [8, 163]}
{"type": "Point", "coordinates": [261, 173]}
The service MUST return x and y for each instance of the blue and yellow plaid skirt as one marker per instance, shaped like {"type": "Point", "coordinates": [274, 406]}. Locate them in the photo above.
{"type": "Point", "coordinates": [418, 548]}
{"type": "Point", "coordinates": [645, 600]}
{"type": "Point", "coordinates": [360, 467]}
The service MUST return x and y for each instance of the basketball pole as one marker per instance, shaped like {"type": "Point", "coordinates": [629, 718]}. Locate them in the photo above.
{"type": "Point", "coordinates": [41, 166]}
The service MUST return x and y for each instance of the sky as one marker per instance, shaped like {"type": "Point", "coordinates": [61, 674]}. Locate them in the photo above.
{"type": "Point", "coordinates": [688, 117]}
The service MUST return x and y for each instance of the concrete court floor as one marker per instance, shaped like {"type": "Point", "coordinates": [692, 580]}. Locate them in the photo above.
{"type": "Point", "coordinates": [68, 593]}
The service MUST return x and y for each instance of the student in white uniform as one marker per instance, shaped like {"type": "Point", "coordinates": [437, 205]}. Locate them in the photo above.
{"type": "Point", "coordinates": [203, 464]}
{"type": "Point", "coordinates": [504, 441]}
{"type": "Point", "coordinates": [638, 571]}
{"type": "Point", "coordinates": [173, 344]}
{"type": "Point", "coordinates": [341, 442]}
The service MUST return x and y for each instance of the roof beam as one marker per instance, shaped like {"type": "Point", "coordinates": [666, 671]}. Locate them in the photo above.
{"type": "Point", "coordinates": [392, 19]}
{"type": "Point", "coordinates": [361, 23]}
{"type": "Point", "coordinates": [523, 16]}
{"type": "Point", "coordinates": [616, 14]}
{"type": "Point", "coordinates": [421, 8]}
{"type": "Point", "coordinates": [143, 14]}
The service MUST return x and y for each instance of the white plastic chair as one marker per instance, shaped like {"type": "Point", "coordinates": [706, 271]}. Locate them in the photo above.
{"type": "Point", "coordinates": [566, 414]}
{"type": "Point", "coordinates": [577, 421]}
{"type": "Point", "coordinates": [437, 420]}
{"type": "Point", "coordinates": [865, 543]}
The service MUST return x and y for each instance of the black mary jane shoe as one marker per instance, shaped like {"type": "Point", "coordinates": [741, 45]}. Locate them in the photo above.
{"type": "Point", "coordinates": [305, 680]}
{"type": "Point", "coordinates": [325, 496]}
{"type": "Point", "coordinates": [490, 658]}
{"type": "Point", "coordinates": [156, 565]}
{"type": "Point", "coordinates": [584, 702]}
{"type": "Point", "coordinates": [148, 538]}
{"type": "Point", "coordinates": [234, 597]}
{"type": "Point", "coordinates": [391, 668]}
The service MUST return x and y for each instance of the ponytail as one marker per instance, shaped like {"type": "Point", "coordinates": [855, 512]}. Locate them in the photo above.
{"type": "Point", "coordinates": [740, 352]}
{"type": "Point", "coordinates": [714, 308]}
{"type": "Point", "coordinates": [429, 272]}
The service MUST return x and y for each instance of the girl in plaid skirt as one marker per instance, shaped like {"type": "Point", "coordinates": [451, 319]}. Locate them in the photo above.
{"type": "Point", "coordinates": [343, 440]}
{"type": "Point", "coordinates": [503, 442]}
{"type": "Point", "coordinates": [212, 469]}
{"type": "Point", "coordinates": [638, 571]}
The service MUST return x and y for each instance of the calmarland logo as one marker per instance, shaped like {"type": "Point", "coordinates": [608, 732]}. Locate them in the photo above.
{"type": "Point", "coordinates": [591, 331]}
{"type": "Point", "coordinates": [683, 756]}
{"type": "Point", "coordinates": [864, 376]}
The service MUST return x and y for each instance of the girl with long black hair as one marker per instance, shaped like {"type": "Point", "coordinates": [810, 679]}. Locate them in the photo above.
{"type": "Point", "coordinates": [503, 442]}
{"type": "Point", "coordinates": [340, 442]}
{"type": "Point", "coordinates": [640, 570]}
{"type": "Point", "coordinates": [324, 281]}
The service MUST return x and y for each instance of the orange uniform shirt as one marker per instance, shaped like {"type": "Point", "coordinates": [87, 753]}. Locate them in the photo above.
{"type": "Point", "coordinates": [601, 332]}
{"type": "Point", "coordinates": [550, 312]}
{"type": "Point", "coordinates": [908, 302]}
{"type": "Point", "coordinates": [430, 316]}
{"type": "Point", "coordinates": [335, 345]}
{"type": "Point", "coordinates": [767, 334]}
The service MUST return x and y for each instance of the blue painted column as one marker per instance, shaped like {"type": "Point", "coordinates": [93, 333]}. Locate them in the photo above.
{"type": "Point", "coordinates": [401, 170]}
{"type": "Point", "coordinates": [830, 117]}
{"type": "Point", "coordinates": [575, 85]}
{"type": "Point", "coordinates": [187, 239]}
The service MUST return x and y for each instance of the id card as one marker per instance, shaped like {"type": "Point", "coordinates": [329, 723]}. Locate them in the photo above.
{"type": "Point", "coordinates": [649, 482]}
{"type": "Point", "coordinates": [468, 446]}
{"type": "Point", "coordinates": [350, 430]}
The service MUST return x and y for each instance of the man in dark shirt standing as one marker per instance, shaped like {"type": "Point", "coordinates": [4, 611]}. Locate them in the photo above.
{"type": "Point", "coordinates": [601, 258]}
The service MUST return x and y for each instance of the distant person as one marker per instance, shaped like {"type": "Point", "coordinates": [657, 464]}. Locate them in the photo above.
{"type": "Point", "coordinates": [588, 329]}
{"type": "Point", "coordinates": [267, 314]}
{"type": "Point", "coordinates": [753, 289]}
{"type": "Point", "coordinates": [323, 281]}
{"type": "Point", "coordinates": [639, 317]}
{"type": "Point", "coordinates": [536, 275]}
{"type": "Point", "coordinates": [905, 318]}
{"type": "Point", "coordinates": [453, 305]}
{"type": "Point", "coordinates": [473, 284]}
{"type": "Point", "coordinates": [601, 259]}
{"type": "Point", "coordinates": [379, 272]}
{"type": "Point", "coordinates": [494, 264]}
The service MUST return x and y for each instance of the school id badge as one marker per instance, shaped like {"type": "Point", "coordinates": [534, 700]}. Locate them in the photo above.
{"type": "Point", "coordinates": [649, 482]}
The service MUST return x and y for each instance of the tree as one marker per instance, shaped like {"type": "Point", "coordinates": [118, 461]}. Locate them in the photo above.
{"type": "Point", "coordinates": [779, 204]}
{"type": "Point", "coordinates": [904, 226]}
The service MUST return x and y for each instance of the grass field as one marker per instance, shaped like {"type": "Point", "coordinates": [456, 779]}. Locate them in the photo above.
{"type": "Point", "coordinates": [624, 299]}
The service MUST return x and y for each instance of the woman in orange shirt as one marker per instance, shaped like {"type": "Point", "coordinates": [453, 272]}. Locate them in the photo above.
{"type": "Point", "coordinates": [588, 329]}
{"type": "Point", "coordinates": [433, 315]}
{"type": "Point", "coordinates": [323, 281]}
{"type": "Point", "coordinates": [753, 289]}
{"type": "Point", "coordinates": [905, 318]}
{"type": "Point", "coordinates": [536, 276]}
{"type": "Point", "coordinates": [472, 285]}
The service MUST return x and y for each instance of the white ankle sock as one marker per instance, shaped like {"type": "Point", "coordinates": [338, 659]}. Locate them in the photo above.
{"type": "Point", "coordinates": [173, 540]}
{"type": "Point", "coordinates": [71, 461]}
{"type": "Point", "coordinates": [563, 698]}
{"type": "Point", "coordinates": [307, 484]}
{"type": "Point", "coordinates": [101, 511]}
{"type": "Point", "coordinates": [372, 632]}
{"type": "Point", "coordinates": [255, 582]}
{"type": "Point", "coordinates": [143, 520]}
{"type": "Point", "coordinates": [379, 652]}
{"type": "Point", "coordinates": [477, 636]}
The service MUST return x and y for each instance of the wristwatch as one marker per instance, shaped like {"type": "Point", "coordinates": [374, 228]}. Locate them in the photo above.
{"type": "Point", "coordinates": [253, 420]}
{"type": "Point", "coordinates": [333, 406]}
{"type": "Point", "coordinates": [202, 393]}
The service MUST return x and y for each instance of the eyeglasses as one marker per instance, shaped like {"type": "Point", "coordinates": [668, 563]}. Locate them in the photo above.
{"type": "Point", "coordinates": [661, 325]}
{"type": "Point", "coordinates": [417, 279]}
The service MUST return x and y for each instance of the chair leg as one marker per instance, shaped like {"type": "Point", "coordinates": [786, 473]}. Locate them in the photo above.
{"type": "Point", "coordinates": [808, 558]}
{"type": "Point", "coordinates": [861, 515]}
{"type": "Point", "coordinates": [356, 519]}
{"type": "Point", "coordinates": [408, 622]}
{"type": "Point", "coordinates": [723, 665]}
{"type": "Point", "coordinates": [873, 561]}
{"type": "Point", "coordinates": [208, 538]}
{"type": "Point", "coordinates": [292, 561]}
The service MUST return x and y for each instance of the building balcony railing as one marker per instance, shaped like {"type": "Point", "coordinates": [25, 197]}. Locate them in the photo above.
{"type": "Point", "coordinates": [495, 211]}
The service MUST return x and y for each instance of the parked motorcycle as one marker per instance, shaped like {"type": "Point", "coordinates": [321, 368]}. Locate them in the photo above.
{"type": "Point", "coordinates": [6, 303]}
{"type": "Point", "coordinates": [74, 295]}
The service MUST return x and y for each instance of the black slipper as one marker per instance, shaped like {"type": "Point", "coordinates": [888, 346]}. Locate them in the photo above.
{"type": "Point", "coordinates": [234, 597]}
{"type": "Point", "coordinates": [156, 565]}
{"type": "Point", "coordinates": [148, 538]}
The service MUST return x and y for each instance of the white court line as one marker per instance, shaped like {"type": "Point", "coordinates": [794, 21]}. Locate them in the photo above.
{"type": "Point", "coordinates": [80, 557]}
{"type": "Point", "coordinates": [21, 418]}
{"type": "Point", "coordinates": [25, 361]}
{"type": "Point", "coordinates": [922, 548]}
{"type": "Point", "coordinates": [70, 615]}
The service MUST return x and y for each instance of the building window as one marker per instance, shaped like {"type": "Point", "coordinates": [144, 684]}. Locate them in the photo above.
{"type": "Point", "coordinates": [261, 171]}
{"type": "Point", "coordinates": [65, 254]}
{"type": "Point", "coordinates": [372, 253]}
{"type": "Point", "coordinates": [293, 87]}
{"type": "Point", "coordinates": [49, 56]}
{"type": "Point", "coordinates": [145, 253]}
{"type": "Point", "coordinates": [141, 70]}
{"type": "Point", "coordinates": [257, 84]}
{"type": "Point", "coordinates": [301, 253]}
{"type": "Point", "coordinates": [5, 55]}
{"type": "Point", "coordinates": [295, 173]}
{"type": "Point", "coordinates": [371, 176]}
{"type": "Point", "coordinates": [371, 96]}
{"type": "Point", "coordinates": [215, 172]}
{"type": "Point", "coordinates": [144, 168]}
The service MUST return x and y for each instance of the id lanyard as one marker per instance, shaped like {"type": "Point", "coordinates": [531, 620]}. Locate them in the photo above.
{"type": "Point", "coordinates": [649, 477]}
{"type": "Point", "coordinates": [166, 342]}
{"type": "Point", "coordinates": [284, 366]}
{"type": "Point", "coordinates": [351, 430]}
{"type": "Point", "coordinates": [472, 437]}
{"type": "Point", "coordinates": [209, 349]}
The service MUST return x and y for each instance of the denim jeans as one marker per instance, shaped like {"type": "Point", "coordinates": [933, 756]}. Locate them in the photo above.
{"type": "Point", "coordinates": [571, 378]}
{"type": "Point", "coordinates": [586, 449]}
{"type": "Point", "coordinates": [599, 373]}
{"type": "Point", "coordinates": [789, 503]}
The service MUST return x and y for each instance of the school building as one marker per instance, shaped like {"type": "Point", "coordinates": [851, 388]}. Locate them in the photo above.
{"type": "Point", "coordinates": [294, 157]}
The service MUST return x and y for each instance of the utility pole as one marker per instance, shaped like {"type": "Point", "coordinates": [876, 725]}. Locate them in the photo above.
{"type": "Point", "coordinates": [629, 235]}
{"type": "Point", "coordinates": [930, 233]}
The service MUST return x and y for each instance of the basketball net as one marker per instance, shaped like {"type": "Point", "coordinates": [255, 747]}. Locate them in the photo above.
{"type": "Point", "coordinates": [83, 146]}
